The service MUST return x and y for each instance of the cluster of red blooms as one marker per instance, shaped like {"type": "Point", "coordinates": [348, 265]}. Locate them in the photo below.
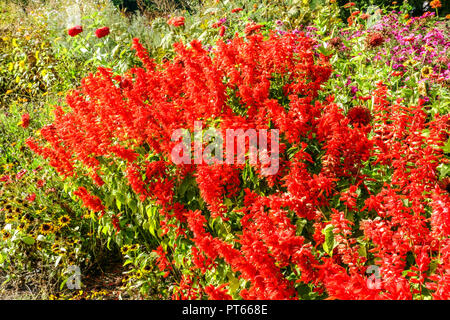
{"type": "Point", "coordinates": [176, 21]}
{"type": "Point", "coordinates": [102, 32]}
{"type": "Point", "coordinates": [75, 31]}
{"type": "Point", "coordinates": [399, 223]}
{"type": "Point", "coordinates": [374, 39]}
{"type": "Point", "coordinates": [99, 33]}
{"type": "Point", "coordinates": [90, 201]}
{"type": "Point", "coordinates": [25, 120]}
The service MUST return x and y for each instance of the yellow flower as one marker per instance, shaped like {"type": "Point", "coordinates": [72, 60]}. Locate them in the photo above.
{"type": "Point", "coordinates": [56, 249]}
{"type": "Point", "coordinates": [6, 235]}
{"type": "Point", "coordinates": [134, 247]}
{"type": "Point", "coordinates": [46, 228]}
{"type": "Point", "coordinates": [22, 226]}
{"type": "Point", "coordinates": [147, 268]}
{"type": "Point", "coordinates": [63, 221]}
{"type": "Point", "coordinates": [410, 63]}
{"type": "Point", "coordinates": [9, 217]}
{"type": "Point", "coordinates": [426, 72]}
{"type": "Point", "coordinates": [125, 249]}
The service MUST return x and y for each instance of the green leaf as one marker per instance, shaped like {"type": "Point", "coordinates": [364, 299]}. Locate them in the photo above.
{"type": "Point", "coordinates": [446, 147]}
{"type": "Point", "coordinates": [28, 240]}
{"type": "Point", "coordinates": [233, 282]}
{"type": "Point", "coordinates": [329, 243]}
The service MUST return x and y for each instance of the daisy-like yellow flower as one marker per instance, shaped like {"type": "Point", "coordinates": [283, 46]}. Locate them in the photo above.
{"type": "Point", "coordinates": [126, 278]}
{"type": "Point", "coordinates": [9, 217]}
{"type": "Point", "coordinates": [426, 72]}
{"type": "Point", "coordinates": [147, 268]}
{"type": "Point", "coordinates": [56, 249]}
{"type": "Point", "coordinates": [138, 274]}
{"type": "Point", "coordinates": [46, 228]}
{"type": "Point", "coordinates": [27, 218]}
{"type": "Point", "coordinates": [6, 235]}
{"type": "Point", "coordinates": [410, 63]}
{"type": "Point", "coordinates": [64, 221]}
{"type": "Point", "coordinates": [23, 226]}
{"type": "Point", "coordinates": [125, 249]}
{"type": "Point", "coordinates": [134, 247]}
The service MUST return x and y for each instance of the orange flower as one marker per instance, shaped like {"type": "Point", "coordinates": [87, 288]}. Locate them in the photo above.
{"type": "Point", "coordinates": [435, 4]}
{"type": "Point", "coordinates": [364, 16]}
{"type": "Point", "coordinates": [349, 4]}
{"type": "Point", "coordinates": [350, 21]}
{"type": "Point", "coordinates": [447, 17]}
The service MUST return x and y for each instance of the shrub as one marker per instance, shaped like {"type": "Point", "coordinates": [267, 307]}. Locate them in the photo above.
{"type": "Point", "coordinates": [351, 192]}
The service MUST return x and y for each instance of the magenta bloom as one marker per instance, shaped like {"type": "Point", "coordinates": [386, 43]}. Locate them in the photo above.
{"type": "Point", "coordinates": [102, 32]}
{"type": "Point", "coordinates": [75, 30]}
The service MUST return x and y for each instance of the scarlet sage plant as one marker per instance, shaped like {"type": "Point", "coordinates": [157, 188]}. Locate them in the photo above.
{"type": "Point", "coordinates": [354, 193]}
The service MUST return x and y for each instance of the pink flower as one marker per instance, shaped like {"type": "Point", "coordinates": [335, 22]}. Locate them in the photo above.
{"type": "Point", "coordinates": [20, 174]}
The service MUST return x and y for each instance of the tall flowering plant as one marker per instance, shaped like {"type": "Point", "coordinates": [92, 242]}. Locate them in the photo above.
{"type": "Point", "coordinates": [354, 192]}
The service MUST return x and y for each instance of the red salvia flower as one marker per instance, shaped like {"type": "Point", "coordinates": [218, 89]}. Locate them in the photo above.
{"type": "Point", "coordinates": [359, 115]}
{"type": "Point", "coordinates": [328, 182]}
{"type": "Point", "coordinates": [89, 201]}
